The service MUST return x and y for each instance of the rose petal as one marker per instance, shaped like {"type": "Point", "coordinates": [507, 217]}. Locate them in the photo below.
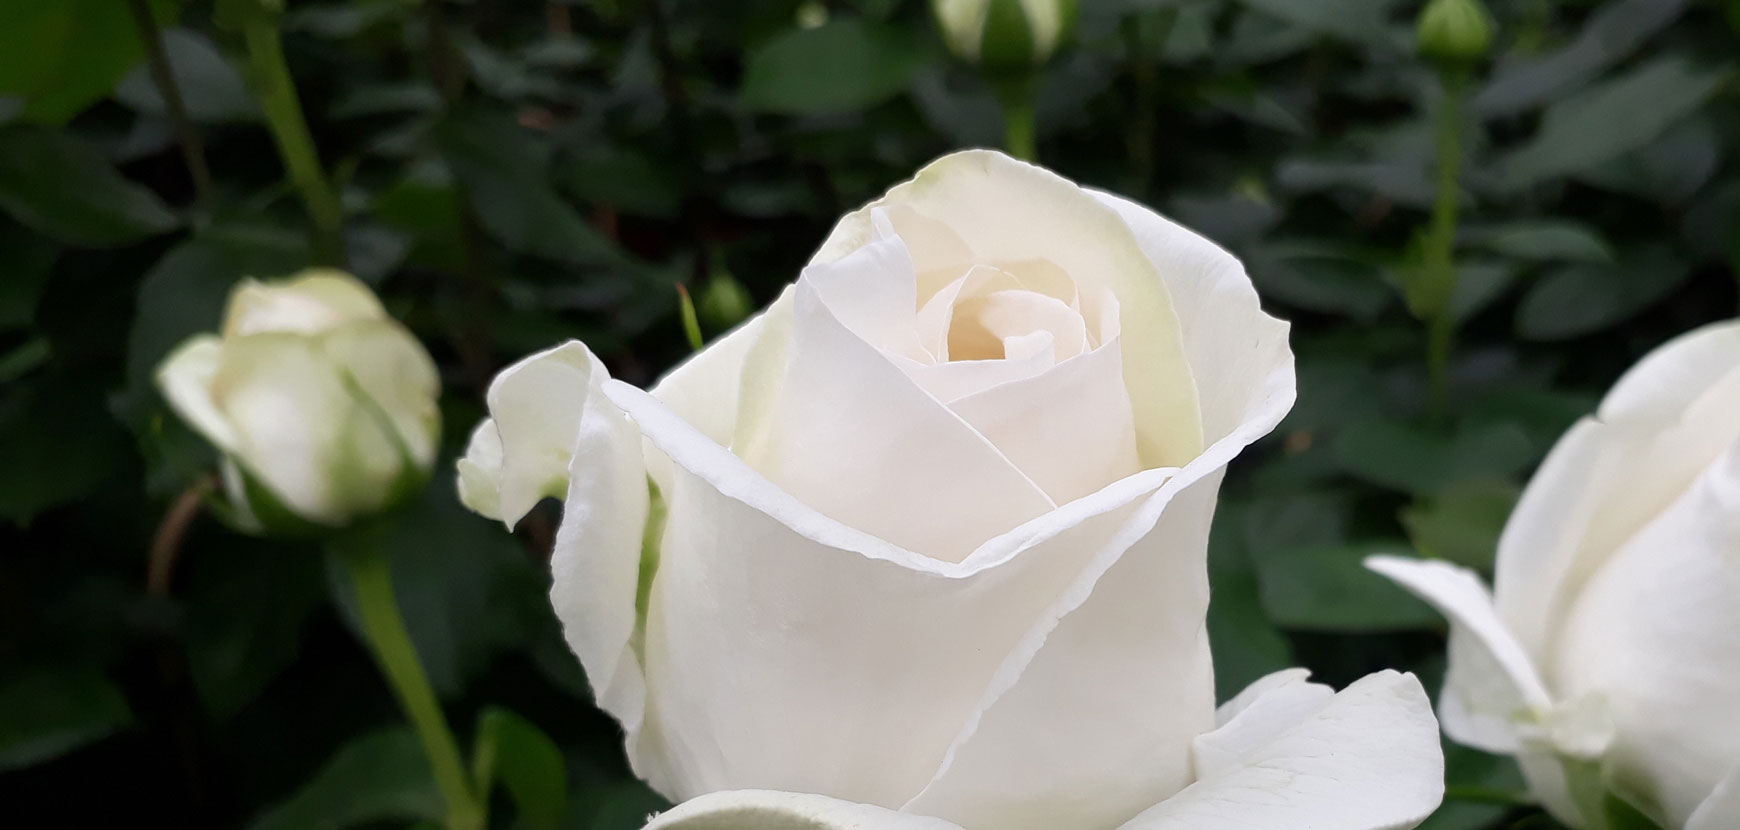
{"type": "Point", "coordinates": [1366, 759]}
{"type": "Point", "coordinates": [853, 437]}
{"type": "Point", "coordinates": [480, 471]}
{"type": "Point", "coordinates": [704, 389]}
{"type": "Point", "coordinates": [848, 651]}
{"type": "Point", "coordinates": [949, 382]}
{"type": "Point", "coordinates": [871, 291]}
{"type": "Point", "coordinates": [1721, 811]}
{"type": "Point", "coordinates": [387, 364]}
{"type": "Point", "coordinates": [186, 377]}
{"type": "Point", "coordinates": [1654, 634]}
{"type": "Point", "coordinates": [1543, 534]}
{"type": "Point", "coordinates": [933, 317]}
{"type": "Point", "coordinates": [1491, 684]}
{"type": "Point", "coordinates": [595, 564]}
{"type": "Point", "coordinates": [535, 405]}
{"type": "Point", "coordinates": [312, 302]}
{"type": "Point", "coordinates": [982, 324]}
{"type": "Point", "coordinates": [1089, 720]}
{"type": "Point", "coordinates": [1240, 353]}
{"type": "Point", "coordinates": [773, 810]}
{"type": "Point", "coordinates": [1069, 429]}
{"type": "Point", "coordinates": [1257, 716]}
{"type": "Point", "coordinates": [1006, 210]}
{"type": "Point", "coordinates": [301, 431]}
{"type": "Point", "coordinates": [1656, 430]}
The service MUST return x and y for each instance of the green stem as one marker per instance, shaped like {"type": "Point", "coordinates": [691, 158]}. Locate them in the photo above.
{"type": "Point", "coordinates": [391, 643]}
{"type": "Point", "coordinates": [1440, 342]}
{"type": "Point", "coordinates": [163, 76]}
{"type": "Point", "coordinates": [1440, 267]}
{"type": "Point", "coordinates": [1018, 118]}
{"type": "Point", "coordinates": [290, 132]}
{"type": "Point", "coordinates": [1138, 31]}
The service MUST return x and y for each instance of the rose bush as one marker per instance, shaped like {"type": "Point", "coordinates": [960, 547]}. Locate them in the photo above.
{"type": "Point", "coordinates": [1608, 658]}
{"type": "Point", "coordinates": [926, 538]}
{"type": "Point", "coordinates": [323, 406]}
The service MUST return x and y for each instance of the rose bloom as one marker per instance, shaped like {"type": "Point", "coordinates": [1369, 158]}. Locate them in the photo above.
{"type": "Point", "coordinates": [1609, 659]}
{"type": "Point", "coordinates": [323, 405]}
{"type": "Point", "coordinates": [924, 543]}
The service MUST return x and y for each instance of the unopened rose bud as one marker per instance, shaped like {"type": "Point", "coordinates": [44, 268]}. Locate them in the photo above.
{"type": "Point", "coordinates": [1455, 30]}
{"type": "Point", "coordinates": [1004, 36]}
{"type": "Point", "coordinates": [323, 406]}
{"type": "Point", "coordinates": [724, 302]}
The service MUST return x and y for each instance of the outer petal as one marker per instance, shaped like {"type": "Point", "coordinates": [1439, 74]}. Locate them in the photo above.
{"type": "Point", "coordinates": [480, 471]}
{"type": "Point", "coordinates": [1656, 430]}
{"type": "Point", "coordinates": [774, 810]}
{"type": "Point", "coordinates": [596, 563]}
{"type": "Point", "coordinates": [705, 388]}
{"type": "Point", "coordinates": [1654, 633]}
{"type": "Point", "coordinates": [1264, 711]}
{"type": "Point", "coordinates": [1491, 685]}
{"type": "Point", "coordinates": [390, 368]}
{"type": "Point", "coordinates": [1238, 354]}
{"type": "Point", "coordinates": [1366, 759]}
{"type": "Point", "coordinates": [1721, 811]}
{"type": "Point", "coordinates": [1090, 718]}
{"type": "Point", "coordinates": [535, 407]}
{"type": "Point", "coordinates": [186, 379]}
{"type": "Point", "coordinates": [300, 430]}
{"type": "Point", "coordinates": [1001, 209]}
{"type": "Point", "coordinates": [314, 301]}
{"type": "Point", "coordinates": [775, 636]}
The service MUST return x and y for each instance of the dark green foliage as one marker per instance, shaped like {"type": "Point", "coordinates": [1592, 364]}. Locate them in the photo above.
{"type": "Point", "coordinates": [515, 174]}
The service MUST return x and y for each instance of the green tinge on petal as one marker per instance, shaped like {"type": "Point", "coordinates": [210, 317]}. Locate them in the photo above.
{"type": "Point", "coordinates": [390, 371]}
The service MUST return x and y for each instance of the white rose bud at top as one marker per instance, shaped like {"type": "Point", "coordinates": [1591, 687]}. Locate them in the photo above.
{"type": "Point", "coordinates": [323, 406]}
{"type": "Point", "coordinates": [1004, 35]}
{"type": "Point", "coordinates": [1612, 646]}
{"type": "Point", "coordinates": [926, 542]}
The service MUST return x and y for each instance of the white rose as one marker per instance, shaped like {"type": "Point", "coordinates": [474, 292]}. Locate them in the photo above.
{"type": "Point", "coordinates": [323, 406]}
{"type": "Point", "coordinates": [928, 535]}
{"type": "Point", "coordinates": [1610, 655]}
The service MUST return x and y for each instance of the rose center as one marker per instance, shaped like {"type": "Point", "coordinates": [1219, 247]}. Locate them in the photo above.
{"type": "Point", "coordinates": [1012, 324]}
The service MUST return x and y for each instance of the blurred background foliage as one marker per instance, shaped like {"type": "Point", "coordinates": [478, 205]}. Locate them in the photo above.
{"type": "Point", "coordinates": [511, 174]}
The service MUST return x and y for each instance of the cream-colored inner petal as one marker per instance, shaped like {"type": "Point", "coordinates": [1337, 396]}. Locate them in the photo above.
{"type": "Point", "coordinates": [981, 327]}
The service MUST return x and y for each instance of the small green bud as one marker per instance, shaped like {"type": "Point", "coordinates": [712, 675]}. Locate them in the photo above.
{"type": "Point", "coordinates": [1004, 36]}
{"type": "Point", "coordinates": [724, 302]}
{"type": "Point", "coordinates": [1455, 30]}
{"type": "Point", "coordinates": [812, 14]}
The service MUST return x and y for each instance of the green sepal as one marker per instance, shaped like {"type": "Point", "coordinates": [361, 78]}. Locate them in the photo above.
{"type": "Point", "coordinates": [1007, 42]}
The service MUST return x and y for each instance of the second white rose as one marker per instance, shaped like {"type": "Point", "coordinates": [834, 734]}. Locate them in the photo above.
{"type": "Point", "coordinates": [1609, 659]}
{"type": "Point", "coordinates": [928, 535]}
